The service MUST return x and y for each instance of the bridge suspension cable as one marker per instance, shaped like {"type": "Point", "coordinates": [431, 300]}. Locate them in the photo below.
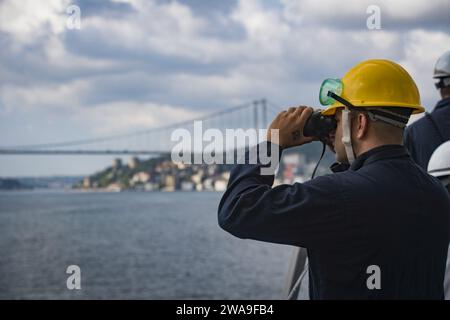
{"type": "Point", "coordinates": [253, 109]}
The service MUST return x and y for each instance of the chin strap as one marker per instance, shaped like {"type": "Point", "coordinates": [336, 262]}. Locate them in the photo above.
{"type": "Point", "coordinates": [346, 135]}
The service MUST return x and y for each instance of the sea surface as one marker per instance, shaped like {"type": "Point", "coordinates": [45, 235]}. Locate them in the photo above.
{"type": "Point", "coordinates": [130, 245]}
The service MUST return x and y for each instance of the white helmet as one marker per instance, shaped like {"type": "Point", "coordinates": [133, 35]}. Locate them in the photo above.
{"type": "Point", "coordinates": [442, 71]}
{"type": "Point", "coordinates": [442, 67]}
{"type": "Point", "coordinates": [439, 165]}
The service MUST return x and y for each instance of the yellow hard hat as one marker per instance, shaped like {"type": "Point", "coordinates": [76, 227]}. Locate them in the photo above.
{"type": "Point", "coordinates": [376, 83]}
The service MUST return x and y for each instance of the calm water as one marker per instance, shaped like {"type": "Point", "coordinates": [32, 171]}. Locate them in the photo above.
{"type": "Point", "coordinates": [130, 246]}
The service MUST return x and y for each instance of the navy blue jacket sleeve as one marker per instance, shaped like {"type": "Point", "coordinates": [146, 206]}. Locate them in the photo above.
{"type": "Point", "coordinates": [303, 214]}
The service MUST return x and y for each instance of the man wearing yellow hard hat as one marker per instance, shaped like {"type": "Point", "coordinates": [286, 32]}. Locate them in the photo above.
{"type": "Point", "coordinates": [378, 227]}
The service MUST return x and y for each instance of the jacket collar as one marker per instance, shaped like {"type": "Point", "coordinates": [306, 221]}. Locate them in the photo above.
{"type": "Point", "coordinates": [375, 154]}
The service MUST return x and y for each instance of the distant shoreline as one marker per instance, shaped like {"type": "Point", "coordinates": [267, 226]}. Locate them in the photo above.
{"type": "Point", "coordinates": [47, 190]}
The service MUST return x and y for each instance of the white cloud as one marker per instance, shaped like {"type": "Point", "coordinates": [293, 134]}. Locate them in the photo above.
{"type": "Point", "coordinates": [125, 116]}
{"type": "Point", "coordinates": [264, 28]}
{"type": "Point", "coordinates": [421, 51]}
{"type": "Point", "coordinates": [168, 29]}
{"type": "Point", "coordinates": [328, 11]}
{"type": "Point", "coordinates": [52, 98]}
{"type": "Point", "coordinates": [274, 56]}
{"type": "Point", "coordinates": [57, 56]}
{"type": "Point", "coordinates": [28, 20]}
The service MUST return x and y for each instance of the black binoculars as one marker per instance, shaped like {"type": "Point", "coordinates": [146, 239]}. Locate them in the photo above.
{"type": "Point", "coordinates": [319, 126]}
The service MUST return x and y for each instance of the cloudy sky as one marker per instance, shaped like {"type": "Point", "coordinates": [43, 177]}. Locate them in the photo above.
{"type": "Point", "coordinates": [137, 64]}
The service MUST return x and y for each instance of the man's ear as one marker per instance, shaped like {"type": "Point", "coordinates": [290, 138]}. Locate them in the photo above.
{"type": "Point", "coordinates": [362, 125]}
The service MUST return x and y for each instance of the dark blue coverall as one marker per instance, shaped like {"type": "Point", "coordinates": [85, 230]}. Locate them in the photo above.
{"type": "Point", "coordinates": [426, 134]}
{"type": "Point", "coordinates": [384, 210]}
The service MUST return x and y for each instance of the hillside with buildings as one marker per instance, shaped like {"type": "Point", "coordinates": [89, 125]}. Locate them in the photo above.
{"type": "Point", "coordinates": [162, 174]}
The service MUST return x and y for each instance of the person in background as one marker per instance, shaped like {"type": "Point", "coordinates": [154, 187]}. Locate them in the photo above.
{"type": "Point", "coordinates": [426, 134]}
{"type": "Point", "coordinates": [439, 166]}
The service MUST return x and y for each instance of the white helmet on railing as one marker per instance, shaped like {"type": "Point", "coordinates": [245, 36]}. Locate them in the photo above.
{"type": "Point", "coordinates": [439, 165]}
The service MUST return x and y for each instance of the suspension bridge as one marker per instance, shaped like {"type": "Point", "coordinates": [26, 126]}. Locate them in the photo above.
{"type": "Point", "coordinates": [154, 141]}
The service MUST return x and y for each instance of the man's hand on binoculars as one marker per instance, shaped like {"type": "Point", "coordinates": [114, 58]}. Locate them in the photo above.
{"type": "Point", "coordinates": [290, 125]}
